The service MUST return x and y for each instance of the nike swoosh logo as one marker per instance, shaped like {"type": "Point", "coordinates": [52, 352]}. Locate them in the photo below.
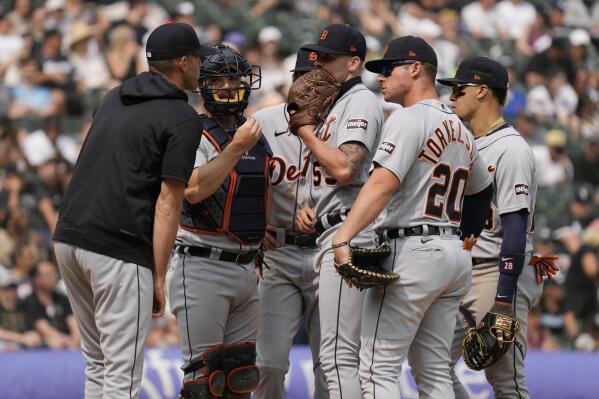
{"type": "Point", "coordinates": [280, 133]}
{"type": "Point", "coordinates": [505, 259]}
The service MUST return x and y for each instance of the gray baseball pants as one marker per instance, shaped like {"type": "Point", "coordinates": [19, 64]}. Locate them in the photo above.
{"type": "Point", "coordinates": [112, 303]}
{"type": "Point", "coordinates": [507, 375]}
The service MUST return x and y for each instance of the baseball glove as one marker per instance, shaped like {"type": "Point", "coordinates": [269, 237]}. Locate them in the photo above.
{"type": "Point", "coordinates": [310, 97]}
{"type": "Point", "coordinates": [485, 345]}
{"type": "Point", "coordinates": [545, 266]}
{"type": "Point", "coordinates": [363, 269]}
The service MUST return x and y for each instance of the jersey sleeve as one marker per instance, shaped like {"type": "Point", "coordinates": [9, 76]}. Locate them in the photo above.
{"type": "Point", "coordinates": [181, 144]}
{"type": "Point", "coordinates": [400, 143]}
{"type": "Point", "coordinates": [203, 153]}
{"type": "Point", "coordinates": [513, 180]}
{"type": "Point", "coordinates": [478, 177]}
{"type": "Point", "coordinates": [361, 121]}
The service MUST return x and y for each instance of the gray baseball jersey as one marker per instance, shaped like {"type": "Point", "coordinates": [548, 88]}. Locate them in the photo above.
{"type": "Point", "coordinates": [512, 164]}
{"type": "Point", "coordinates": [436, 161]}
{"type": "Point", "coordinates": [206, 152]}
{"type": "Point", "coordinates": [356, 117]}
{"type": "Point", "coordinates": [434, 156]}
{"type": "Point", "coordinates": [287, 164]}
{"type": "Point", "coordinates": [288, 290]}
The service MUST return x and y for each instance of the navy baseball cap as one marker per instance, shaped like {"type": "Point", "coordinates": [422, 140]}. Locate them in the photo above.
{"type": "Point", "coordinates": [304, 61]}
{"type": "Point", "coordinates": [405, 48]}
{"type": "Point", "coordinates": [174, 40]}
{"type": "Point", "coordinates": [339, 39]}
{"type": "Point", "coordinates": [481, 71]}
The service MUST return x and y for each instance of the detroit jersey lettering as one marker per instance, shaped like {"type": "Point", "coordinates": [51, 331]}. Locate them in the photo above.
{"type": "Point", "coordinates": [443, 161]}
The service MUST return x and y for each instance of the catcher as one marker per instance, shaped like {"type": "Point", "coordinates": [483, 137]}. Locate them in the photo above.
{"type": "Point", "coordinates": [504, 288]}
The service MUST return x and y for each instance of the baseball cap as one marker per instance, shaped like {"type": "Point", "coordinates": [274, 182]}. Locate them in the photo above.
{"type": "Point", "coordinates": [405, 48]}
{"type": "Point", "coordinates": [479, 70]}
{"type": "Point", "coordinates": [304, 61]}
{"type": "Point", "coordinates": [7, 278]}
{"type": "Point", "coordinates": [583, 194]}
{"type": "Point", "coordinates": [174, 40]}
{"type": "Point", "coordinates": [339, 39]}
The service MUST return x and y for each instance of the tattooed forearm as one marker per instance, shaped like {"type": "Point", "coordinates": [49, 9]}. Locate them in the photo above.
{"type": "Point", "coordinates": [355, 153]}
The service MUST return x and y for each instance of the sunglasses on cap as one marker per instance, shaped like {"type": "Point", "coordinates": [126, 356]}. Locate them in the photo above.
{"type": "Point", "coordinates": [456, 89]}
{"type": "Point", "coordinates": [387, 69]}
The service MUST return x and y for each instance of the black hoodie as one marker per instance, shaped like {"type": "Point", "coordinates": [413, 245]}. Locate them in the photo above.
{"type": "Point", "coordinates": [143, 131]}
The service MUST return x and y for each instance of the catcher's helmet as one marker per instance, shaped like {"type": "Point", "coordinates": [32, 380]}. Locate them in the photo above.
{"type": "Point", "coordinates": [227, 63]}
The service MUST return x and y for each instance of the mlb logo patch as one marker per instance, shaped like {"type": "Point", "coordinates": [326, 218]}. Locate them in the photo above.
{"type": "Point", "coordinates": [357, 124]}
{"type": "Point", "coordinates": [387, 147]}
{"type": "Point", "coordinates": [521, 189]}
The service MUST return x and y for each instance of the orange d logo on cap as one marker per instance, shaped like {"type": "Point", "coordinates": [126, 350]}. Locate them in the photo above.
{"type": "Point", "coordinates": [411, 54]}
{"type": "Point", "coordinates": [476, 76]}
{"type": "Point", "coordinates": [324, 34]}
{"type": "Point", "coordinates": [312, 56]}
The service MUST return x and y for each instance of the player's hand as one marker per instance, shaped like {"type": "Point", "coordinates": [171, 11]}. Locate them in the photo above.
{"type": "Point", "coordinates": [341, 256]}
{"type": "Point", "coordinates": [269, 241]}
{"type": "Point", "coordinates": [247, 135]}
{"type": "Point", "coordinates": [159, 300]}
{"type": "Point", "coordinates": [469, 242]}
{"type": "Point", "coordinates": [545, 266]}
{"type": "Point", "coordinates": [306, 220]}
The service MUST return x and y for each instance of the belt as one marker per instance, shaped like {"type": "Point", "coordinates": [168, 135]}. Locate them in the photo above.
{"type": "Point", "coordinates": [298, 239]}
{"type": "Point", "coordinates": [478, 261]}
{"type": "Point", "coordinates": [330, 219]}
{"type": "Point", "coordinates": [241, 258]}
{"type": "Point", "coordinates": [422, 230]}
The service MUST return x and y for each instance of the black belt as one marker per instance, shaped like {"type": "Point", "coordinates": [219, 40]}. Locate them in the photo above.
{"type": "Point", "coordinates": [420, 231]}
{"type": "Point", "coordinates": [329, 220]}
{"type": "Point", "coordinates": [241, 258]}
{"type": "Point", "coordinates": [478, 261]}
{"type": "Point", "coordinates": [298, 239]}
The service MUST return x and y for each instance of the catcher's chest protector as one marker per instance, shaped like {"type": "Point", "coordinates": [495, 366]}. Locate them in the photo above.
{"type": "Point", "coordinates": [238, 207]}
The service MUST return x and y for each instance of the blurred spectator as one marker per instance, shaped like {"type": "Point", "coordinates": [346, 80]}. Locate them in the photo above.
{"type": "Point", "coordinates": [21, 16]}
{"type": "Point", "coordinates": [30, 98]}
{"type": "Point", "coordinates": [138, 9]}
{"type": "Point", "coordinates": [580, 217]}
{"type": "Point", "coordinates": [548, 61]}
{"type": "Point", "coordinates": [271, 62]}
{"type": "Point", "coordinates": [555, 100]}
{"type": "Point", "coordinates": [91, 72]}
{"type": "Point", "coordinates": [557, 318]}
{"type": "Point", "coordinates": [50, 311]}
{"type": "Point", "coordinates": [582, 281]}
{"type": "Point", "coordinates": [122, 53]}
{"type": "Point", "coordinates": [553, 165]}
{"type": "Point", "coordinates": [514, 18]}
{"type": "Point", "coordinates": [16, 326]}
{"type": "Point", "coordinates": [418, 19]}
{"type": "Point", "coordinates": [480, 18]}
{"type": "Point", "coordinates": [586, 161]}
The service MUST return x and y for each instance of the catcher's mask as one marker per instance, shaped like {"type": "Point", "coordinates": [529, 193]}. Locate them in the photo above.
{"type": "Point", "coordinates": [226, 80]}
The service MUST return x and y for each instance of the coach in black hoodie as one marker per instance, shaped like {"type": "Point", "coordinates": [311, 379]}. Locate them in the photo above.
{"type": "Point", "coordinates": [119, 217]}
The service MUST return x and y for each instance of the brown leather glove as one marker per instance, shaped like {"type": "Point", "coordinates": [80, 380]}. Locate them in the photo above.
{"type": "Point", "coordinates": [310, 98]}
{"type": "Point", "coordinates": [544, 266]}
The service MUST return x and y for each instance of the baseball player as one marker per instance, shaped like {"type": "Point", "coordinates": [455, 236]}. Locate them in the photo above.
{"type": "Point", "coordinates": [479, 92]}
{"type": "Point", "coordinates": [288, 290]}
{"type": "Point", "coordinates": [119, 216]}
{"type": "Point", "coordinates": [341, 152]}
{"type": "Point", "coordinates": [425, 164]}
{"type": "Point", "coordinates": [212, 289]}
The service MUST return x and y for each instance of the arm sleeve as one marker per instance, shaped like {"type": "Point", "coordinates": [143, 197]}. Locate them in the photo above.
{"type": "Point", "coordinates": [511, 255]}
{"type": "Point", "coordinates": [361, 121]}
{"type": "Point", "coordinates": [401, 141]}
{"type": "Point", "coordinates": [475, 209]}
{"type": "Point", "coordinates": [182, 142]}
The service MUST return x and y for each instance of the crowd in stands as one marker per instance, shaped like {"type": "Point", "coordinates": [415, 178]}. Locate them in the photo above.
{"type": "Point", "coordinates": [59, 57]}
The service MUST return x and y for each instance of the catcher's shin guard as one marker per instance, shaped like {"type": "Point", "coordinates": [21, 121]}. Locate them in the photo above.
{"type": "Point", "coordinates": [239, 364]}
{"type": "Point", "coordinates": [211, 383]}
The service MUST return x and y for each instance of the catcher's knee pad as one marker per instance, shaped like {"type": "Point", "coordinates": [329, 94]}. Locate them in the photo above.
{"type": "Point", "coordinates": [211, 382]}
{"type": "Point", "coordinates": [239, 364]}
